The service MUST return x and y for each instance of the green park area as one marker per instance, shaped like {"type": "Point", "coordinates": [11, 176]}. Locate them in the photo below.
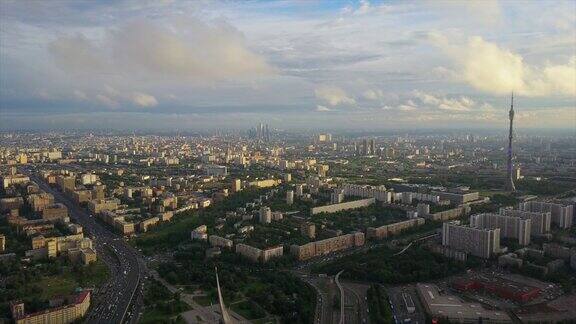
{"type": "Point", "coordinates": [380, 265]}
{"type": "Point", "coordinates": [36, 284]}
{"type": "Point", "coordinates": [257, 289]}
{"type": "Point", "coordinates": [359, 219]}
{"type": "Point", "coordinates": [161, 306]}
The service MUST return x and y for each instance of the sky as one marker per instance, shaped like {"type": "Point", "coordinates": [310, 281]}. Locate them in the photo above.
{"type": "Point", "coordinates": [308, 64]}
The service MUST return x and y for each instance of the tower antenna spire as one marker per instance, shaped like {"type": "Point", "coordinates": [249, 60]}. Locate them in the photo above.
{"type": "Point", "coordinates": [510, 180]}
{"type": "Point", "coordinates": [512, 101]}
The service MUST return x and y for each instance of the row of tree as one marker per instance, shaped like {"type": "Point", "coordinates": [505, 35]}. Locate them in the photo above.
{"type": "Point", "coordinates": [378, 305]}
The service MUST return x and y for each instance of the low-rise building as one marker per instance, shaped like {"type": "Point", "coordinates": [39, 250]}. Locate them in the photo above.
{"type": "Point", "coordinates": [145, 225]}
{"type": "Point", "coordinates": [218, 241]}
{"type": "Point", "coordinates": [199, 233]}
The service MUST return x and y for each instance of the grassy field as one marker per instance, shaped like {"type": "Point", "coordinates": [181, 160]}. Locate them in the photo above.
{"type": "Point", "coordinates": [205, 300]}
{"type": "Point", "coordinates": [165, 315]}
{"type": "Point", "coordinates": [167, 235]}
{"type": "Point", "coordinates": [90, 276]}
{"type": "Point", "coordinates": [57, 286]}
{"type": "Point", "coordinates": [248, 310]}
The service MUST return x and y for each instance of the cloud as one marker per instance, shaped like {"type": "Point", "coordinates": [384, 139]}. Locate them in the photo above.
{"type": "Point", "coordinates": [322, 108]}
{"type": "Point", "coordinates": [77, 54]}
{"type": "Point", "coordinates": [191, 49]}
{"type": "Point", "coordinates": [490, 68]}
{"type": "Point", "coordinates": [334, 96]}
{"type": "Point", "coordinates": [103, 99]}
{"type": "Point", "coordinates": [144, 100]}
{"type": "Point", "coordinates": [373, 94]}
{"type": "Point", "coordinates": [450, 104]}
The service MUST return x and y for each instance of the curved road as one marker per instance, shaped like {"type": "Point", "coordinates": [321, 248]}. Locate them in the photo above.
{"type": "Point", "coordinates": [119, 300]}
{"type": "Point", "coordinates": [342, 296]}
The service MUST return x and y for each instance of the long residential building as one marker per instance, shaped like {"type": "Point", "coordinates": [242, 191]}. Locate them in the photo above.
{"type": "Point", "coordinates": [562, 215]}
{"type": "Point", "coordinates": [366, 191]}
{"type": "Point", "coordinates": [540, 221]}
{"type": "Point", "coordinates": [393, 229]}
{"type": "Point", "coordinates": [510, 227]}
{"type": "Point", "coordinates": [343, 206]}
{"type": "Point", "coordinates": [258, 255]}
{"type": "Point", "coordinates": [482, 243]}
{"type": "Point", "coordinates": [327, 246]}
{"type": "Point", "coordinates": [72, 312]}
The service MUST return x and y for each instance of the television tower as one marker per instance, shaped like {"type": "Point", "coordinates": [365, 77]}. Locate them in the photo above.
{"type": "Point", "coordinates": [510, 180]}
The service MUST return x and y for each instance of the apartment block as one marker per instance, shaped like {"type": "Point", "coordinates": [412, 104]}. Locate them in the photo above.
{"type": "Point", "coordinates": [510, 227]}
{"type": "Point", "coordinates": [144, 225]}
{"type": "Point", "coordinates": [561, 215]}
{"type": "Point", "coordinates": [98, 206]}
{"type": "Point", "coordinates": [540, 221]}
{"type": "Point", "coordinates": [54, 212]}
{"type": "Point", "coordinates": [259, 255]}
{"type": "Point", "coordinates": [379, 193]}
{"type": "Point", "coordinates": [392, 229]}
{"type": "Point", "coordinates": [327, 246]}
{"type": "Point", "coordinates": [73, 311]}
{"type": "Point", "coordinates": [40, 201]}
{"type": "Point", "coordinates": [215, 240]}
{"type": "Point", "coordinates": [343, 206]}
{"type": "Point", "coordinates": [482, 243]}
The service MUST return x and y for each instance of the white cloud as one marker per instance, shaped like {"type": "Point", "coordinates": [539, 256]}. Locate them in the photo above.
{"type": "Point", "coordinates": [322, 108]}
{"type": "Point", "coordinates": [80, 95]}
{"type": "Point", "coordinates": [191, 49]}
{"type": "Point", "coordinates": [373, 94]}
{"type": "Point", "coordinates": [406, 108]}
{"type": "Point", "coordinates": [334, 96]}
{"type": "Point", "coordinates": [103, 99]}
{"type": "Point", "coordinates": [461, 103]}
{"type": "Point", "coordinates": [144, 99]}
{"type": "Point", "coordinates": [490, 68]}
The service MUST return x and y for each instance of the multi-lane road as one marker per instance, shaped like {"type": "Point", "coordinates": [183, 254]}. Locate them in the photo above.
{"type": "Point", "coordinates": [120, 299]}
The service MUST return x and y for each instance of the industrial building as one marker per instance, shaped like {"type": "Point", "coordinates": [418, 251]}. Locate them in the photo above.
{"type": "Point", "coordinates": [450, 307]}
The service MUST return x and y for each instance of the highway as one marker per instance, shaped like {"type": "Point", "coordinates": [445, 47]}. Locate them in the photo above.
{"type": "Point", "coordinates": [120, 299]}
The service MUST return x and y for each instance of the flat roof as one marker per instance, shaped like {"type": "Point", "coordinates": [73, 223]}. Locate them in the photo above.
{"type": "Point", "coordinates": [446, 305]}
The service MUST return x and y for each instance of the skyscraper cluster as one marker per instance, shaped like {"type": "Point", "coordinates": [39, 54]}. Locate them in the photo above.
{"type": "Point", "coordinates": [260, 132]}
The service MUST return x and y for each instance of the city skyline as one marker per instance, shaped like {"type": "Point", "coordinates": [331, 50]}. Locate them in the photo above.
{"type": "Point", "coordinates": [154, 65]}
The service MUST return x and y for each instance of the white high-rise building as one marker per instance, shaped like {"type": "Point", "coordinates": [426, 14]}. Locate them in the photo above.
{"type": "Point", "coordinates": [510, 227]}
{"type": "Point", "coordinates": [561, 215]}
{"type": "Point", "coordinates": [265, 215]}
{"type": "Point", "coordinates": [289, 197]}
{"type": "Point", "coordinates": [482, 243]}
{"type": "Point", "coordinates": [236, 185]}
{"type": "Point", "coordinates": [540, 221]}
